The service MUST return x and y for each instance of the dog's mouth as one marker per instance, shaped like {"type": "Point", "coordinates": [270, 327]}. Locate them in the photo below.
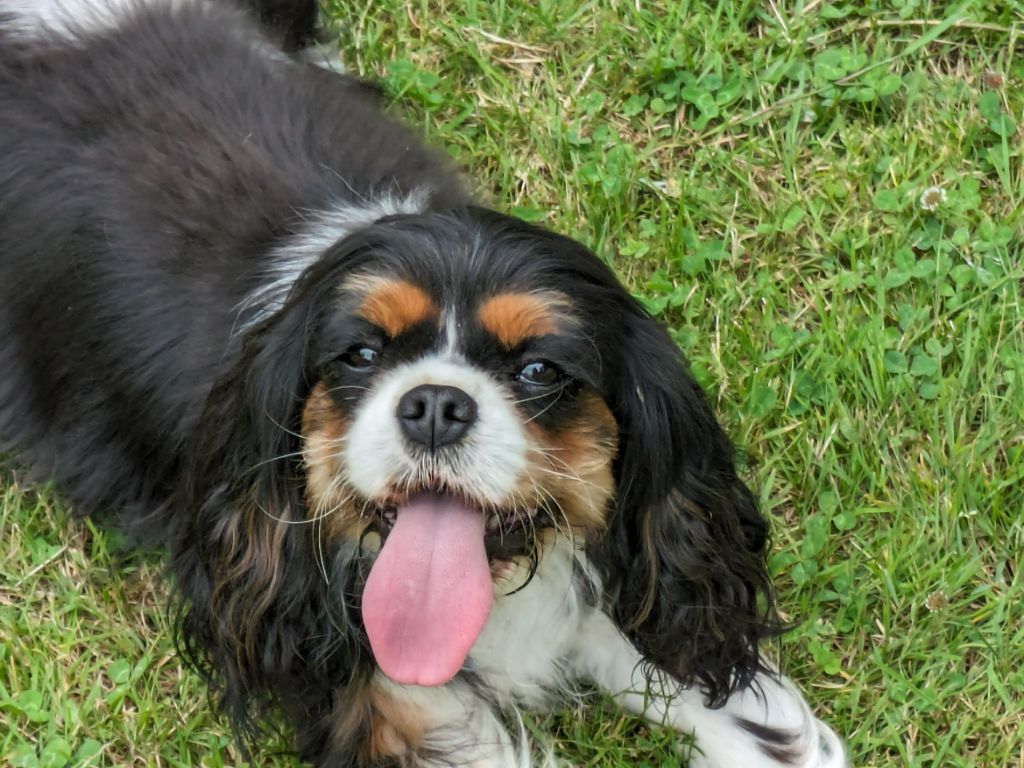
{"type": "Point", "coordinates": [428, 594]}
{"type": "Point", "coordinates": [509, 532]}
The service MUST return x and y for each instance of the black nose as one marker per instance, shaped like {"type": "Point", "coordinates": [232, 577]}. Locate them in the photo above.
{"type": "Point", "coordinates": [435, 416]}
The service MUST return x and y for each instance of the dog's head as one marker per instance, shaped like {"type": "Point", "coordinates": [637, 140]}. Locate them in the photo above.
{"type": "Point", "coordinates": [440, 398]}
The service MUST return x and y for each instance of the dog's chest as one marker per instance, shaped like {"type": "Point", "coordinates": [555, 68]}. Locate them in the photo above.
{"type": "Point", "coordinates": [521, 653]}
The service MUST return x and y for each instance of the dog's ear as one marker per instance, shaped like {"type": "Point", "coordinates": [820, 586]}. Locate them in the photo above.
{"type": "Point", "coordinates": [258, 619]}
{"type": "Point", "coordinates": [683, 557]}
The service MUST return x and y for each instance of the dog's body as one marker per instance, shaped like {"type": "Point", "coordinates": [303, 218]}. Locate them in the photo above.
{"type": "Point", "coordinates": [418, 464]}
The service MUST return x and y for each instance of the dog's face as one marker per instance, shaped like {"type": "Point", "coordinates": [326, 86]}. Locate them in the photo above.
{"type": "Point", "coordinates": [442, 398]}
{"type": "Point", "coordinates": [490, 396]}
{"type": "Point", "coordinates": [460, 394]}
{"type": "Point", "coordinates": [493, 397]}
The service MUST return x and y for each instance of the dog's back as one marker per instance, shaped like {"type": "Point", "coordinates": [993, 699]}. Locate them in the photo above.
{"type": "Point", "coordinates": [151, 157]}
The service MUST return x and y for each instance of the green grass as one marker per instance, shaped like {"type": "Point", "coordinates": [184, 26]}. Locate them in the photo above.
{"type": "Point", "coordinates": [755, 171]}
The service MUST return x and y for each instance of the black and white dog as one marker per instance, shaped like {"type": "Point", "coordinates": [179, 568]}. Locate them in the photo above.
{"type": "Point", "coordinates": [419, 465]}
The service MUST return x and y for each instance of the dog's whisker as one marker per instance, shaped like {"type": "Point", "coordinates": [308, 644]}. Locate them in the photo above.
{"type": "Point", "coordinates": [546, 408]}
{"type": "Point", "coordinates": [572, 477]}
{"type": "Point", "coordinates": [561, 513]}
{"type": "Point", "coordinates": [272, 459]}
{"type": "Point", "coordinates": [347, 386]}
{"type": "Point", "coordinates": [281, 426]}
{"type": "Point", "coordinates": [535, 397]}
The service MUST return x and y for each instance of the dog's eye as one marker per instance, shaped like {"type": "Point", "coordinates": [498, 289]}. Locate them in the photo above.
{"type": "Point", "coordinates": [359, 356]}
{"type": "Point", "coordinates": [540, 373]}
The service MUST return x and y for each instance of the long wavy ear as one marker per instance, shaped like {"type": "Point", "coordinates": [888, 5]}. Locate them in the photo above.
{"type": "Point", "coordinates": [257, 618]}
{"type": "Point", "coordinates": [683, 557]}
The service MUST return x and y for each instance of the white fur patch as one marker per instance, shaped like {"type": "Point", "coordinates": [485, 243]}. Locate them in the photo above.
{"type": "Point", "coordinates": [521, 651]}
{"type": "Point", "coordinates": [319, 232]}
{"type": "Point", "coordinates": [41, 19]}
{"type": "Point", "coordinates": [486, 464]}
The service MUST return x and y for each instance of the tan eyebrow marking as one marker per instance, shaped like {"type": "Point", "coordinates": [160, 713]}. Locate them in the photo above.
{"type": "Point", "coordinates": [515, 317]}
{"type": "Point", "coordinates": [394, 305]}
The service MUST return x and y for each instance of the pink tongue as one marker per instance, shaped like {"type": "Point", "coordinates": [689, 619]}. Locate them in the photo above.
{"type": "Point", "coordinates": [429, 592]}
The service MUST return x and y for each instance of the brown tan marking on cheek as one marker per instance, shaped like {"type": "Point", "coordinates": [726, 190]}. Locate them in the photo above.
{"type": "Point", "coordinates": [573, 464]}
{"type": "Point", "coordinates": [323, 431]}
{"type": "Point", "coordinates": [514, 317]}
{"type": "Point", "coordinates": [395, 305]}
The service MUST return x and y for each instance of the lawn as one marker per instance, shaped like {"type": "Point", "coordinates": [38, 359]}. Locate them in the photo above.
{"type": "Point", "coordinates": [823, 201]}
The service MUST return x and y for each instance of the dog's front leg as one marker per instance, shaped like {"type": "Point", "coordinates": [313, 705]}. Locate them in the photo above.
{"type": "Point", "coordinates": [766, 726]}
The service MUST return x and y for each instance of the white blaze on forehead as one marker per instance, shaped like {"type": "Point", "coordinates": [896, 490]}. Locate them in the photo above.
{"type": "Point", "coordinates": [450, 331]}
{"type": "Point", "coordinates": [72, 18]}
{"type": "Point", "coordinates": [486, 465]}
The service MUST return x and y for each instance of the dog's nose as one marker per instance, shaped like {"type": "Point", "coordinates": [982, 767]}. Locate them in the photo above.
{"type": "Point", "coordinates": [435, 416]}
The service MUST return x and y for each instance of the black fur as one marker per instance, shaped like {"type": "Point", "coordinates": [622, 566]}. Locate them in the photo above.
{"type": "Point", "coordinates": [295, 23]}
{"type": "Point", "coordinates": [143, 192]}
{"type": "Point", "coordinates": [780, 745]}
{"type": "Point", "coordinates": [142, 183]}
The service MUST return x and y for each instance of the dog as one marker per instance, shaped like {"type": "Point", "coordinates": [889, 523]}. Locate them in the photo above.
{"type": "Point", "coordinates": [418, 465]}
